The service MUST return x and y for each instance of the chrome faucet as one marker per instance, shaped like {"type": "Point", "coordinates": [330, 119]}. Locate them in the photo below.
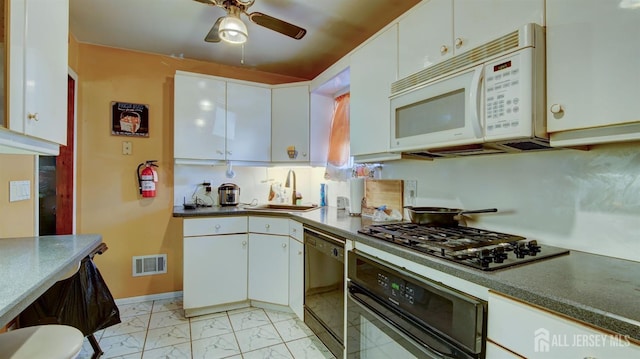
{"type": "Point", "coordinates": [287, 184]}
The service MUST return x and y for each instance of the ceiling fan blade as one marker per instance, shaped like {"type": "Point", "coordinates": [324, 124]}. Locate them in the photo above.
{"type": "Point", "coordinates": [213, 35]}
{"type": "Point", "coordinates": [277, 25]}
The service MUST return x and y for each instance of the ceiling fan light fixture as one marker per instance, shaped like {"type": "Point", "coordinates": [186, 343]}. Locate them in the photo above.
{"type": "Point", "coordinates": [233, 30]}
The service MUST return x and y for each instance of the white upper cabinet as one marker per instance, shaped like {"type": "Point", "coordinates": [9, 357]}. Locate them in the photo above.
{"type": "Point", "coordinates": [290, 124]}
{"type": "Point", "coordinates": [425, 36]}
{"type": "Point", "coordinates": [38, 68]}
{"type": "Point", "coordinates": [373, 69]}
{"type": "Point", "coordinates": [438, 29]}
{"type": "Point", "coordinates": [593, 77]}
{"type": "Point", "coordinates": [248, 122]}
{"type": "Point", "coordinates": [216, 119]}
{"type": "Point", "coordinates": [477, 22]}
{"type": "Point", "coordinates": [321, 114]}
{"type": "Point", "coordinates": [199, 117]}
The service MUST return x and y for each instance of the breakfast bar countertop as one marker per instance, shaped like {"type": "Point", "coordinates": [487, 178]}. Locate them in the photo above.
{"type": "Point", "coordinates": [31, 265]}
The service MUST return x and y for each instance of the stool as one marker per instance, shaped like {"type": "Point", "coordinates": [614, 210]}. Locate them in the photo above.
{"type": "Point", "coordinates": [41, 342]}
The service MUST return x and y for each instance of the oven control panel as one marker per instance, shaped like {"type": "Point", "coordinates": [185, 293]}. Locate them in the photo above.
{"type": "Point", "coordinates": [399, 289]}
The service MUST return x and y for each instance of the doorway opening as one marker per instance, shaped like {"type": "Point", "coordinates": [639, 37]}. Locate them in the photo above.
{"type": "Point", "coordinates": [56, 179]}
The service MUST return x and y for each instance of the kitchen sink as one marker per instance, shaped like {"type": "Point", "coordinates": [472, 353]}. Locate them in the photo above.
{"type": "Point", "coordinates": [284, 207]}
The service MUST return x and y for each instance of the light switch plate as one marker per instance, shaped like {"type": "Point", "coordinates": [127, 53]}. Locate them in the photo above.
{"type": "Point", "coordinates": [127, 148]}
{"type": "Point", "coordinates": [19, 190]}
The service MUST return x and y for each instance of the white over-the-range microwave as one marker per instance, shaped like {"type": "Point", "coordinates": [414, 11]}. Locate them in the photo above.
{"type": "Point", "coordinates": [490, 99]}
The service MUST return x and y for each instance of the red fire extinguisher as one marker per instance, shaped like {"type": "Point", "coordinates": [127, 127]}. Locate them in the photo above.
{"type": "Point", "coordinates": [147, 178]}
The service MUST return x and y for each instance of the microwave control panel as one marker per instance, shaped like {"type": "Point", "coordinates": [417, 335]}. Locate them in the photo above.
{"type": "Point", "coordinates": [507, 100]}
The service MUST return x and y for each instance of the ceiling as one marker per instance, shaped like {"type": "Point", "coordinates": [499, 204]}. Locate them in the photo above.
{"type": "Point", "coordinates": [178, 28]}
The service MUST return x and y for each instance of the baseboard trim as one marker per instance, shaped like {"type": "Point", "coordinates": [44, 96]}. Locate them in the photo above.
{"type": "Point", "coordinates": [146, 298]}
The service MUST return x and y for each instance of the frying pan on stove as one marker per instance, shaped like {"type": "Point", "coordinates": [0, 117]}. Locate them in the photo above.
{"type": "Point", "coordinates": [441, 216]}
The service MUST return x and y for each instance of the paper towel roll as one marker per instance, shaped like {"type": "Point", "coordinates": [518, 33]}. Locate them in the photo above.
{"type": "Point", "coordinates": [356, 194]}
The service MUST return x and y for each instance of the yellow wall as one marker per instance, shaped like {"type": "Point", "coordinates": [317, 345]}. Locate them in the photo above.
{"type": "Point", "coordinates": [108, 200]}
{"type": "Point", "coordinates": [16, 218]}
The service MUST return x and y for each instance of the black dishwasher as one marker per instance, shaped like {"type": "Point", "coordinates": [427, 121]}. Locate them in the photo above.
{"type": "Point", "coordinates": [324, 287]}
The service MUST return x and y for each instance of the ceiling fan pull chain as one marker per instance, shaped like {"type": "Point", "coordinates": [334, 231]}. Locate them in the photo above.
{"type": "Point", "coordinates": [242, 59]}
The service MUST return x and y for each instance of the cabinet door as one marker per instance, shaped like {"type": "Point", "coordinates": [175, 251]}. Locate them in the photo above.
{"type": "Point", "coordinates": [248, 122]}
{"type": "Point", "coordinates": [199, 117]}
{"type": "Point", "coordinates": [269, 268]}
{"type": "Point", "coordinates": [320, 117]}
{"type": "Point", "coordinates": [290, 124]}
{"type": "Point", "coordinates": [477, 22]}
{"type": "Point", "coordinates": [373, 69]}
{"type": "Point", "coordinates": [38, 66]}
{"type": "Point", "coordinates": [425, 36]}
{"type": "Point", "coordinates": [592, 64]}
{"type": "Point", "coordinates": [296, 277]}
{"type": "Point", "coordinates": [541, 334]}
{"type": "Point", "coordinates": [215, 270]}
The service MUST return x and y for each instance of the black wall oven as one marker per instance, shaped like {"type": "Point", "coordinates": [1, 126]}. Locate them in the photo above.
{"type": "Point", "coordinates": [324, 288]}
{"type": "Point", "coordinates": [392, 313]}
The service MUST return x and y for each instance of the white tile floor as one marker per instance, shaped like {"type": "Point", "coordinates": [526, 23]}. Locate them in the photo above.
{"type": "Point", "coordinates": [158, 329]}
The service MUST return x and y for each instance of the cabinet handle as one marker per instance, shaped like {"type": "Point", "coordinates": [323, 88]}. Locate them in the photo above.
{"type": "Point", "coordinates": [219, 152]}
{"type": "Point", "coordinates": [244, 243]}
{"type": "Point", "coordinates": [444, 49]}
{"type": "Point", "coordinates": [299, 253]}
{"type": "Point", "coordinates": [284, 245]}
{"type": "Point", "coordinates": [304, 154]}
{"type": "Point", "coordinates": [33, 116]}
{"type": "Point", "coordinates": [293, 230]}
{"type": "Point", "coordinates": [458, 42]}
{"type": "Point", "coordinates": [267, 226]}
{"type": "Point", "coordinates": [217, 227]}
{"type": "Point", "coordinates": [230, 153]}
{"type": "Point", "coordinates": [556, 109]}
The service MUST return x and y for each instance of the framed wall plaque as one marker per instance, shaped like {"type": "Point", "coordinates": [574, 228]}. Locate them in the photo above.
{"type": "Point", "coordinates": [129, 119]}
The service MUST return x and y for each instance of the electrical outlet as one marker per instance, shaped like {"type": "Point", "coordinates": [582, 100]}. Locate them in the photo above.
{"type": "Point", "coordinates": [410, 192]}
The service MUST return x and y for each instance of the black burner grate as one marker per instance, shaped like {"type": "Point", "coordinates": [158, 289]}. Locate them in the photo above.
{"type": "Point", "coordinates": [447, 238]}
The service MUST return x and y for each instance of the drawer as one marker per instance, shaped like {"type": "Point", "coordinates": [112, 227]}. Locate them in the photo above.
{"type": "Point", "coordinates": [296, 230]}
{"type": "Point", "coordinates": [269, 225]}
{"type": "Point", "coordinates": [536, 333]}
{"type": "Point", "coordinates": [213, 226]}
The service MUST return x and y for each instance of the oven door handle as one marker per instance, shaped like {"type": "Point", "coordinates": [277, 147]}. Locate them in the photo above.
{"type": "Point", "coordinates": [424, 347]}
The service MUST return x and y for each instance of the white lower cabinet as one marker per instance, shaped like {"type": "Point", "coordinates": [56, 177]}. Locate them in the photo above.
{"type": "Point", "coordinates": [215, 263]}
{"type": "Point", "coordinates": [269, 268]}
{"type": "Point", "coordinates": [216, 272]}
{"type": "Point", "coordinates": [231, 261]}
{"type": "Point", "coordinates": [495, 351]}
{"type": "Point", "coordinates": [269, 259]}
{"type": "Point", "coordinates": [296, 268]}
{"type": "Point", "coordinates": [542, 334]}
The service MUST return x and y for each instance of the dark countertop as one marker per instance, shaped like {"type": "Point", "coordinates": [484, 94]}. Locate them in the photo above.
{"type": "Point", "coordinates": [597, 290]}
{"type": "Point", "coordinates": [31, 265]}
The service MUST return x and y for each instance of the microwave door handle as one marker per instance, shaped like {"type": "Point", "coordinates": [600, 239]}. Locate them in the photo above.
{"type": "Point", "coordinates": [475, 98]}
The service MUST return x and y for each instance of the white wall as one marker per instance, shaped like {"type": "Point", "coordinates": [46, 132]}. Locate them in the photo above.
{"type": "Point", "coordinates": [582, 200]}
{"type": "Point", "coordinates": [254, 182]}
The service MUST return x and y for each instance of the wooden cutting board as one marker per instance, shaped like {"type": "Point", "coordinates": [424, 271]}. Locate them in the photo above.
{"type": "Point", "coordinates": [383, 192]}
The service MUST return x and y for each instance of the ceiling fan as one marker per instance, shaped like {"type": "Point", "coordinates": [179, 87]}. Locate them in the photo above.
{"type": "Point", "coordinates": [231, 29]}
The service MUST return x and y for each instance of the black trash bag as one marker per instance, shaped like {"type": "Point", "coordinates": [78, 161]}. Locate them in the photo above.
{"type": "Point", "coordinates": [82, 301]}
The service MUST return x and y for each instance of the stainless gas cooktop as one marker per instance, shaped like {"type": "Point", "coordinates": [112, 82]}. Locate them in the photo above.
{"type": "Point", "coordinates": [477, 248]}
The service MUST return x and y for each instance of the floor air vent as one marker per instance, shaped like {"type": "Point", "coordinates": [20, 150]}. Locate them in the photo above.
{"type": "Point", "coordinates": [148, 265]}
